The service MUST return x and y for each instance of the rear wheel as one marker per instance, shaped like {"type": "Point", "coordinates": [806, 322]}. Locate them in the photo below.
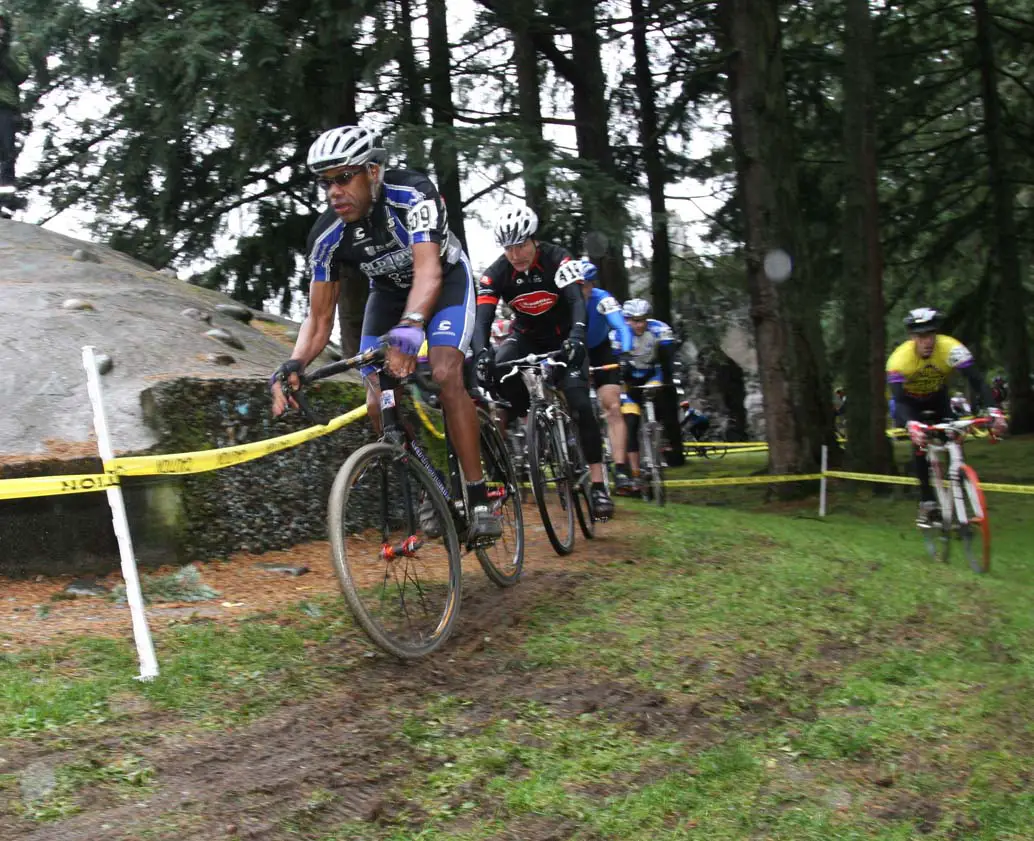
{"type": "Point", "coordinates": [402, 586]}
{"type": "Point", "coordinates": [581, 484]}
{"type": "Point", "coordinates": [650, 470]}
{"type": "Point", "coordinates": [975, 532]}
{"type": "Point", "coordinates": [549, 480]}
{"type": "Point", "coordinates": [715, 448]}
{"type": "Point", "coordinates": [503, 560]}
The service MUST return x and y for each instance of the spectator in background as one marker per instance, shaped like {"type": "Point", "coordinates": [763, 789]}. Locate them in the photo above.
{"type": "Point", "coordinates": [14, 69]}
{"type": "Point", "coordinates": [999, 392]}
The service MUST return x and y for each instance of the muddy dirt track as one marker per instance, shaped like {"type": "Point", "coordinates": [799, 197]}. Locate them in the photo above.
{"type": "Point", "coordinates": [251, 781]}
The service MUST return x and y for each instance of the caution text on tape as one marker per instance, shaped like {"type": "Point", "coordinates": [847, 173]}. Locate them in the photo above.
{"type": "Point", "coordinates": [32, 486]}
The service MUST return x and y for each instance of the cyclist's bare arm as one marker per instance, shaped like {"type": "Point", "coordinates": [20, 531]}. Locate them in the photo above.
{"type": "Point", "coordinates": [315, 331]}
{"type": "Point", "coordinates": [313, 335]}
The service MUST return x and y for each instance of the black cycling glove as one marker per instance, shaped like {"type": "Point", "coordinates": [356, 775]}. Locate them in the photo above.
{"type": "Point", "coordinates": [484, 368]}
{"type": "Point", "coordinates": [291, 366]}
{"type": "Point", "coordinates": [574, 352]}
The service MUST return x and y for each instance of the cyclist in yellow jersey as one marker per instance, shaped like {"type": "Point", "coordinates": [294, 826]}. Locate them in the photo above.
{"type": "Point", "coordinates": [917, 373]}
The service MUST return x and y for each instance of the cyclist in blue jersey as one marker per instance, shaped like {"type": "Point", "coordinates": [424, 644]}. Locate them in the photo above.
{"type": "Point", "coordinates": [603, 319]}
{"type": "Point", "coordinates": [642, 366]}
{"type": "Point", "coordinates": [391, 225]}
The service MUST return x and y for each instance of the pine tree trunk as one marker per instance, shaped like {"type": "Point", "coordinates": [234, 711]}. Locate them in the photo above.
{"type": "Point", "coordinates": [534, 151]}
{"type": "Point", "coordinates": [868, 448]}
{"type": "Point", "coordinates": [413, 88]}
{"type": "Point", "coordinates": [1012, 314]}
{"type": "Point", "coordinates": [660, 266]}
{"type": "Point", "coordinates": [791, 357]}
{"type": "Point", "coordinates": [443, 148]}
{"type": "Point", "coordinates": [604, 209]}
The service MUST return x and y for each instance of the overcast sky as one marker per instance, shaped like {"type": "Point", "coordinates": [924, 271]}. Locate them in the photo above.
{"type": "Point", "coordinates": [481, 245]}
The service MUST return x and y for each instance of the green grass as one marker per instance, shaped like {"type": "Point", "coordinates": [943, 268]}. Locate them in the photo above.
{"type": "Point", "coordinates": [210, 674]}
{"type": "Point", "coordinates": [752, 672]}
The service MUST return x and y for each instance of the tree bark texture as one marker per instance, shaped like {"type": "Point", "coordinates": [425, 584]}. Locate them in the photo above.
{"type": "Point", "coordinates": [534, 151]}
{"type": "Point", "coordinates": [413, 82]}
{"type": "Point", "coordinates": [660, 266]}
{"type": "Point", "coordinates": [791, 356]}
{"type": "Point", "coordinates": [868, 447]}
{"type": "Point", "coordinates": [443, 148]}
{"type": "Point", "coordinates": [1012, 313]}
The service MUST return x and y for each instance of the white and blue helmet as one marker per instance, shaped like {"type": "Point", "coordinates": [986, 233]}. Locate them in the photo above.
{"type": "Point", "coordinates": [346, 146]}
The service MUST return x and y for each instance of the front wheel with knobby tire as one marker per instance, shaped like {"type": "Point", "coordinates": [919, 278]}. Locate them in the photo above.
{"type": "Point", "coordinates": [975, 533]}
{"type": "Point", "coordinates": [401, 583]}
{"type": "Point", "coordinates": [550, 481]}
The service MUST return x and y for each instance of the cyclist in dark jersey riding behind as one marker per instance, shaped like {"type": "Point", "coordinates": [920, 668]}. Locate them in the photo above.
{"type": "Point", "coordinates": [391, 225]}
{"type": "Point", "coordinates": [540, 283]}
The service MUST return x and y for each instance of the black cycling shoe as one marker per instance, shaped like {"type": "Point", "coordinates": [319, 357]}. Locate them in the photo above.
{"type": "Point", "coordinates": [484, 524]}
{"type": "Point", "coordinates": [602, 504]}
{"type": "Point", "coordinates": [429, 523]}
{"type": "Point", "coordinates": [623, 485]}
{"type": "Point", "coordinates": [929, 515]}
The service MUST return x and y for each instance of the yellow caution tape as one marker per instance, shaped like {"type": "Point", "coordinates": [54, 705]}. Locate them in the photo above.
{"type": "Point", "coordinates": [1006, 489]}
{"type": "Point", "coordinates": [54, 485]}
{"type": "Point", "coordinates": [907, 480]}
{"type": "Point", "coordinates": [871, 477]}
{"type": "Point", "coordinates": [426, 420]}
{"type": "Point", "coordinates": [691, 449]}
{"type": "Point", "coordinates": [740, 480]}
{"type": "Point", "coordinates": [204, 460]}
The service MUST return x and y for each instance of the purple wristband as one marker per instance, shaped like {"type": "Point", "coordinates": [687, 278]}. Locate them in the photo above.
{"type": "Point", "coordinates": [406, 338]}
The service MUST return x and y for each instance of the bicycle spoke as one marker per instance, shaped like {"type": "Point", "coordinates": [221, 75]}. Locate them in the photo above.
{"type": "Point", "coordinates": [404, 586]}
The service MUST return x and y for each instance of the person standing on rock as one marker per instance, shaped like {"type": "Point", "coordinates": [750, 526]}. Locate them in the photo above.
{"type": "Point", "coordinates": [14, 69]}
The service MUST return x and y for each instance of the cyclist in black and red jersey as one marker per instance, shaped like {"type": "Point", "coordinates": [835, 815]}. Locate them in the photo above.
{"type": "Point", "coordinates": [540, 283]}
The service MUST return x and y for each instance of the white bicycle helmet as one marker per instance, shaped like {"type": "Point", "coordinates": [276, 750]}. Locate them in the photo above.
{"type": "Point", "coordinates": [346, 146]}
{"type": "Point", "coordinates": [636, 308]}
{"type": "Point", "coordinates": [515, 223]}
{"type": "Point", "coordinates": [923, 320]}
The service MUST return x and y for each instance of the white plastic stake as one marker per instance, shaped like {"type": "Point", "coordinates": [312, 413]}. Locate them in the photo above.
{"type": "Point", "coordinates": [141, 633]}
{"type": "Point", "coordinates": [822, 482]}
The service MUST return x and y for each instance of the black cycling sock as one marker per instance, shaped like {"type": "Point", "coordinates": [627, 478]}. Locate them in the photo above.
{"type": "Point", "coordinates": [599, 486]}
{"type": "Point", "coordinates": [477, 493]}
{"type": "Point", "coordinates": [622, 468]}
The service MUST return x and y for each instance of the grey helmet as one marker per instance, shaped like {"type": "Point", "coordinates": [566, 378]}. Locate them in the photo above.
{"type": "Point", "coordinates": [636, 308]}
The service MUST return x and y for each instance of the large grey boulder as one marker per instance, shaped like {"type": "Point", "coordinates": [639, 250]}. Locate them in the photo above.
{"type": "Point", "coordinates": [169, 387]}
{"type": "Point", "coordinates": [128, 311]}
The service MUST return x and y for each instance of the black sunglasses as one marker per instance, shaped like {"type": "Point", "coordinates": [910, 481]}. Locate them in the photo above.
{"type": "Point", "coordinates": [341, 180]}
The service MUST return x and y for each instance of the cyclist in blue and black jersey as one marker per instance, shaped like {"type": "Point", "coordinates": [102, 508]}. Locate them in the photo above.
{"type": "Point", "coordinates": [643, 366]}
{"type": "Point", "coordinates": [391, 226]}
{"type": "Point", "coordinates": [604, 319]}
